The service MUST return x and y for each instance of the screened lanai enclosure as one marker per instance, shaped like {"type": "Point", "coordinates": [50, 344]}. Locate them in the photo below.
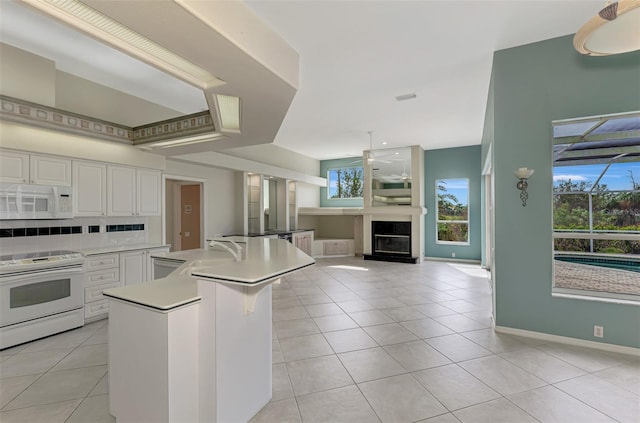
{"type": "Point", "coordinates": [596, 206]}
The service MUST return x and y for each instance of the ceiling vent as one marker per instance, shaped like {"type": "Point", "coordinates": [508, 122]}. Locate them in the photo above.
{"type": "Point", "coordinates": [406, 97]}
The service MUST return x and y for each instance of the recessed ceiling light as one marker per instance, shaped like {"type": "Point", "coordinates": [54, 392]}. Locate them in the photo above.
{"type": "Point", "coordinates": [179, 142]}
{"type": "Point", "coordinates": [227, 108]}
{"type": "Point", "coordinates": [384, 143]}
{"type": "Point", "coordinates": [406, 97]}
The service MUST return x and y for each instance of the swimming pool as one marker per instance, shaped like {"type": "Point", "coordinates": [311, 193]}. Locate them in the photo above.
{"type": "Point", "coordinates": [628, 264]}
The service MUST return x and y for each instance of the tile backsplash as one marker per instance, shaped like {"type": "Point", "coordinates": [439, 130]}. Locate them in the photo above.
{"type": "Point", "coordinates": [76, 234]}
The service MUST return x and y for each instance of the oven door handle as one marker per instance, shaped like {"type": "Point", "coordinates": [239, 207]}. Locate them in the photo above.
{"type": "Point", "coordinates": [47, 273]}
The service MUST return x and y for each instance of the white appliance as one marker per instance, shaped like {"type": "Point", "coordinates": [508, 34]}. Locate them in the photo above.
{"type": "Point", "coordinates": [22, 201]}
{"type": "Point", "coordinates": [163, 267]}
{"type": "Point", "coordinates": [40, 294]}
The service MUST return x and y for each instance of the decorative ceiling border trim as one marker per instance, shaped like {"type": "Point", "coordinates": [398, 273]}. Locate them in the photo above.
{"type": "Point", "coordinates": [193, 124]}
{"type": "Point", "coordinates": [22, 111]}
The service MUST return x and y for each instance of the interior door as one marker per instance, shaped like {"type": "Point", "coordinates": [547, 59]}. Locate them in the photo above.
{"type": "Point", "coordinates": [190, 217]}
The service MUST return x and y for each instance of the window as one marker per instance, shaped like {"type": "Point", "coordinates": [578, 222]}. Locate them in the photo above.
{"type": "Point", "coordinates": [596, 206]}
{"type": "Point", "coordinates": [452, 211]}
{"type": "Point", "coordinates": [345, 182]}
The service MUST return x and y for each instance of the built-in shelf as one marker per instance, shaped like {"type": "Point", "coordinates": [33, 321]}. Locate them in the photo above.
{"type": "Point", "coordinates": [393, 192]}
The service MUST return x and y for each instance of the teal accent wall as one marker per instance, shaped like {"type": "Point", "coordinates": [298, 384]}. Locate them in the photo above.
{"type": "Point", "coordinates": [325, 165]}
{"type": "Point", "coordinates": [448, 163]}
{"type": "Point", "coordinates": [532, 86]}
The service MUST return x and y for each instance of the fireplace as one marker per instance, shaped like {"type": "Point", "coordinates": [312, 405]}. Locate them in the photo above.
{"type": "Point", "coordinates": [391, 241]}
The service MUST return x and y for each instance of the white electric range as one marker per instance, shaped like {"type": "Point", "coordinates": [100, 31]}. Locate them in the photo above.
{"type": "Point", "coordinates": [41, 293]}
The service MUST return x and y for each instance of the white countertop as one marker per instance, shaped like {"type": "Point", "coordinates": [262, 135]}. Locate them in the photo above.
{"type": "Point", "coordinates": [119, 248]}
{"type": "Point", "coordinates": [162, 294]}
{"type": "Point", "coordinates": [263, 260]}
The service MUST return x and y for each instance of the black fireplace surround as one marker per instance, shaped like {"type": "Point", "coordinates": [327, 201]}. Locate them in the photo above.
{"type": "Point", "coordinates": [391, 241]}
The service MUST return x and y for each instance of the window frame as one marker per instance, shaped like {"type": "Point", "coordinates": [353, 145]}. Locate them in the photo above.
{"type": "Point", "coordinates": [467, 221]}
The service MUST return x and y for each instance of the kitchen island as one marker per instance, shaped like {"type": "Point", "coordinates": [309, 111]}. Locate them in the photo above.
{"type": "Point", "coordinates": [196, 346]}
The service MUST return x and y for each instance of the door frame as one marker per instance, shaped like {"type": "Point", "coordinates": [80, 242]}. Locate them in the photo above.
{"type": "Point", "coordinates": [489, 207]}
{"type": "Point", "coordinates": [184, 180]}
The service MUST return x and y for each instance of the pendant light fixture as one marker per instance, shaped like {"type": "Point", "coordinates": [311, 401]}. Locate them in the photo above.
{"type": "Point", "coordinates": [614, 30]}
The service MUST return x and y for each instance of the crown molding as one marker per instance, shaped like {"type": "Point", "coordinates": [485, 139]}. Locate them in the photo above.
{"type": "Point", "coordinates": [21, 111]}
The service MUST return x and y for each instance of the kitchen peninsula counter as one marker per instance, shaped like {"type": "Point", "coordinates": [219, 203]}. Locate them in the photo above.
{"type": "Point", "coordinates": [196, 346]}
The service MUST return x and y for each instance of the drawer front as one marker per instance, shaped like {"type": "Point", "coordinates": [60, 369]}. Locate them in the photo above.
{"type": "Point", "coordinates": [101, 277]}
{"type": "Point", "coordinates": [96, 308]}
{"type": "Point", "coordinates": [94, 293]}
{"type": "Point", "coordinates": [102, 261]}
{"type": "Point", "coordinates": [332, 248]}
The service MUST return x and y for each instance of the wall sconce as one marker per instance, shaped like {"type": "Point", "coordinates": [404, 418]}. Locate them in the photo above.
{"type": "Point", "coordinates": [523, 174]}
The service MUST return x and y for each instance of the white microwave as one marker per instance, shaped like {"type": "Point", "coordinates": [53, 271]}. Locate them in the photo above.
{"type": "Point", "coordinates": [21, 201]}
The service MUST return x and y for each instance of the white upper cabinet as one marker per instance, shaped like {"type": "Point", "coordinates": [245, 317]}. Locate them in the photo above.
{"type": "Point", "coordinates": [121, 189]}
{"type": "Point", "coordinates": [48, 170]}
{"type": "Point", "coordinates": [14, 167]}
{"type": "Point", "coordinates": [133, 192]}
{"type": "Point", "coordinates": [148, 192]}
{"type": "Point", "coordinates": [90, 188]}
{"type": "Point", "coordinates": [23, 168]}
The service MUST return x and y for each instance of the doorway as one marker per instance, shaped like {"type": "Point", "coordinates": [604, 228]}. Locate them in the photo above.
{"type": "Point", "coordinates": [184, 214]}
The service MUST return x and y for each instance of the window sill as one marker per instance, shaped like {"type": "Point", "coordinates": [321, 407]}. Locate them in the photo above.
{"type": "Point", "coordinates": [602, 297]}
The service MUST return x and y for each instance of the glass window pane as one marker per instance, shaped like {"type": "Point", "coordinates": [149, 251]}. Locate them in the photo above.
{"type": "Point", "coordinates": [345, 183]}
{"type": "Point", "coordinates": [453, 232]}
{"type": "Point", "coordinates": [616, 211]}
{"type": "Point", "coordinates": [571, 211]}
{"type": "Point", "coordinates": [453, 199]}
{"type": "Point", "coordinates": [616, 246]}
{"type": "Point", "coordinates": [574, 245]}
{"type": "Point", "coordinates": [622, 176]}
{"type": "Point", "coordinates": [576, 178]}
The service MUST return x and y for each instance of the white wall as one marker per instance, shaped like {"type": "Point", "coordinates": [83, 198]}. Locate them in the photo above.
{"type": "Point", "coordinates": [277, 156]}
{"type": "Point", "coordinates": [27, 76]}
{"type": "Point", "coordinates": [44, 141]}
{"type": "Point", "coordinates": [220, 191]}
{"type": "Point", "coordinates": [307, 195]}
{"type": "Point", "coordinates": [78, 95]}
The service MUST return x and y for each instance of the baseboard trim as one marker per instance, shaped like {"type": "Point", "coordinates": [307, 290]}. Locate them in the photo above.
{"type": "Point", "coordinates": [569, 341]}
{"type": "Point", "coordinates": [451, 259]}
{"type": "Point", "coordinates": [394, 259]}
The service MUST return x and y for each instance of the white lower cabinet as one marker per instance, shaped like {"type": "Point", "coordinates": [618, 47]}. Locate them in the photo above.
{"type": "Point", "coordinates": [133, 267]}
{"type": "Point", "coordinates": [96, 310]}
{"type": "Point", "coordinates": [137, 266]}
{"type": "Point", "coordinates": [102, 271]}
{"type": "Point", "coordinates": [332, 247]}
{"type": "Point", "coordinates": [303, 241]}
{"type": "Point", "coordinates": [111, 270]}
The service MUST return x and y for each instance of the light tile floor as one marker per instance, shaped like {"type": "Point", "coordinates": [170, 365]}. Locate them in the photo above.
{"type": "Point", "coordinates": [364, 341]}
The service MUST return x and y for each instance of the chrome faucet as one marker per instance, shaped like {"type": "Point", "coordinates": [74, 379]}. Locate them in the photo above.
{"type": "Point", "coordinates": [236, 251]}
